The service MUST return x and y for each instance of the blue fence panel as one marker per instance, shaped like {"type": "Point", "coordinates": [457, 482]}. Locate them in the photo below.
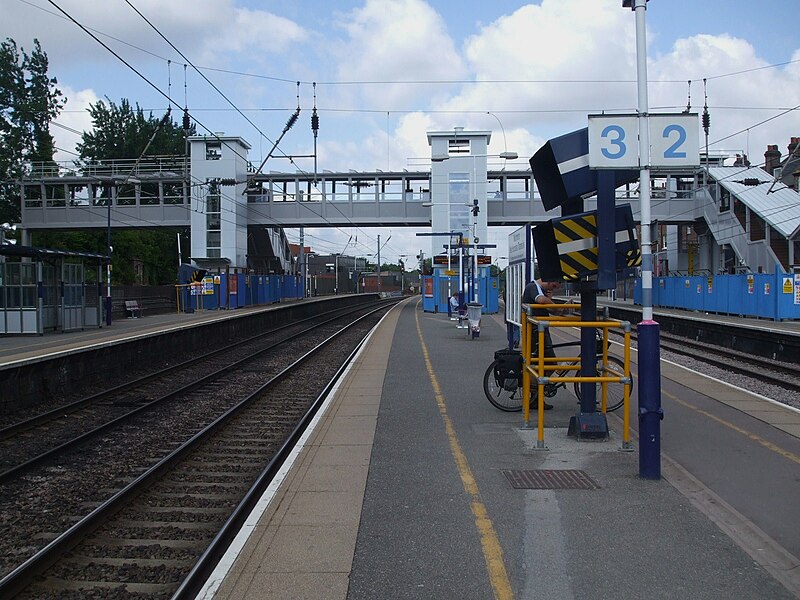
{"type": "Point", "coordinates": [291, 287]}
{"type": "Point", "coordinates": [717, 294]}
{"type": "Point", "coordinates": [748, 295]}
{"type": "Point", "coordinates": [274, 292]}
{"type": "Point", "coordinates": [490, 295]}
{"type": "Point", "coordinates": [658, 290]}
{"type": "Point", "coordinates": [238, 290]}
{"type": "Point", "coordinates": [788, 291]}
{"type": "Point", "coordinates": [212, 301]}
{"type": "Point", "coordinates": [262, 285]}
{"type": "Point", "coordinates": [693, 293]}
{"type": "Point", "coordinates": [765, 306]}
{"type": "Point", "coordinates": [671, 287]}
{"type": "Point", "coordinates": [770, 296]}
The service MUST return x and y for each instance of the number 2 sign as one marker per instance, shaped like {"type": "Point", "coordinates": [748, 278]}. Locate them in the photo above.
{"type": "Point", "coordinates": [614, 141]}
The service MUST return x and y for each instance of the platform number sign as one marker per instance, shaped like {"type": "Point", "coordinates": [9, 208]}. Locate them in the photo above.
{"type": "Point", "coordinates": [614, 141]}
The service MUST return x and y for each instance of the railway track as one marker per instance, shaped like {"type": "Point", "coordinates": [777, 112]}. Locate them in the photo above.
{"type": "Point", "coordinates": [775, 373]}
{"type": "Point", "coordinates": [768, 371]}
{"type": "Point", "coordinates": [783, 375]}
{"type": "Point", "coordinates": [150, 523]}
{"type": "Point", "coordinates": [32, 442]}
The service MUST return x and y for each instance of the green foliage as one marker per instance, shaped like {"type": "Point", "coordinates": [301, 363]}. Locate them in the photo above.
{"type": "Point", "coordinates": [122, 131]}
{"type": "Point", "coordinates": [29, 101]}
{"type": "Point", "coordinates": [154, 249]}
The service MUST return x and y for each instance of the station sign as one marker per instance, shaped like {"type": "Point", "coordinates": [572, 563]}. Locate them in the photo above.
{"type": "Point", "coordinates": [562, 172]}
{"type": "Point", "coordinates": [614, 141]}
{"type": "Point", "coordinates": [484, 259]}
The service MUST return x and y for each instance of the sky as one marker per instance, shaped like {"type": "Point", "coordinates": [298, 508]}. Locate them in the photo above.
{"type": "Point", "coordinates": [383, 72]}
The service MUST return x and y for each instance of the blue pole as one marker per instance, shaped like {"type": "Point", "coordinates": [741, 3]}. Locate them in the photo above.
{"type": "Point", "coordinates": [650, 411]}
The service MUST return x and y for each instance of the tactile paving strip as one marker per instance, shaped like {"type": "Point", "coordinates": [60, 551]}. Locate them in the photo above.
{"type": "Point", "coordinates": [550, 479]}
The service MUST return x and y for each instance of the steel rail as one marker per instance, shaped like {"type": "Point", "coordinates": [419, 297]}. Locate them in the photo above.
{"type": "Point", "coordinates": [24, 574]}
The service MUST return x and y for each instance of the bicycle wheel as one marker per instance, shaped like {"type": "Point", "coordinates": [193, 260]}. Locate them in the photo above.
{"type": "Point", "coordinates": [506, 397]}
{"type": "Point", "coordinates": [614, 391]}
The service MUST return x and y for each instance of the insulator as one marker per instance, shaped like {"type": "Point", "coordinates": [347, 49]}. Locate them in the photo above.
{"type": "Point", "coordinates": [227, 181]}
{"type": "Point", "coordinates": [751, 181]}
{"type": "Point", "coordinates": [314, 121]}
{"type": "Point", "coordinates": [292, 120]}
{"type": "Point", "coordinates": [186, 122]}
{"type": "Point", "coordinates": [706, 121]}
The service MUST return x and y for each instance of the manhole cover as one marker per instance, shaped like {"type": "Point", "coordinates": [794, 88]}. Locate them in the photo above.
{"type": "Point", "coordinates": [550, 479]}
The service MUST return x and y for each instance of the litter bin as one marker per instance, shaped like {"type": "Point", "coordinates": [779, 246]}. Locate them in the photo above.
{"type": "Point", "coordinates": [474, 318]}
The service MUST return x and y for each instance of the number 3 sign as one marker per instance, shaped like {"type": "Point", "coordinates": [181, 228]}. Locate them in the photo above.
{"type": "Point", "coordinates": [614, 141]}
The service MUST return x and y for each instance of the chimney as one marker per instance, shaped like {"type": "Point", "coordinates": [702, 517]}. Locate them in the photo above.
{"type": "Point", "coordinates": [793, 144]}
{"type": "Point", "coordinates": [772, 159]}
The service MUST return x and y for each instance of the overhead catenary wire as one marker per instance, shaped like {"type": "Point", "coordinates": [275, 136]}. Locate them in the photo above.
{"type": "Point", "coordinates": [143, 77]}
{"type": "Point", "coordinates": [711, 77]}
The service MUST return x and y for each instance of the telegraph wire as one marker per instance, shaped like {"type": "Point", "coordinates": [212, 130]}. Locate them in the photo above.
{"type": "Point", "coordinates": [183, 56]}
{"type": "Point", "coordinates": [289, 124]}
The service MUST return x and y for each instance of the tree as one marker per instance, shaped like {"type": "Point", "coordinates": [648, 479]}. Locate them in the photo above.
{"type": "Point", "coordinates": [121, 131]}
{"type": "Point", "coordinates": [29, 101]}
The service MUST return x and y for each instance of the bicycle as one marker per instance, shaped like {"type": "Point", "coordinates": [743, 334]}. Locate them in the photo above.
{"type": "Point", "coordinates": [502, 382]}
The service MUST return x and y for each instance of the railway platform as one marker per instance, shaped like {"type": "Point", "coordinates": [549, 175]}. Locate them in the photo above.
{"type": "Point", "coordinates": [411, 485]}
{"type": "Point", "coordinates": [35, 347]}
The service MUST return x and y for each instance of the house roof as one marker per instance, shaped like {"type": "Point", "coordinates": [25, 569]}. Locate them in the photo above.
{"type": "Point", "coordinates": [774, 202]}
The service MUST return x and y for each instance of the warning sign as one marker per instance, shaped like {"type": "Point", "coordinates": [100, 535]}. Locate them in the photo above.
{"type": "Point", "coordinates": [787, 285]}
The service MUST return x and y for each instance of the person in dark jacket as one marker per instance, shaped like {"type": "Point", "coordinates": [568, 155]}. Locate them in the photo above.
{"type": "Point", "coordinates": [538, 294]}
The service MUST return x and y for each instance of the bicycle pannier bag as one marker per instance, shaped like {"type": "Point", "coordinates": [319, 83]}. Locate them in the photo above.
{"type": "Point", "coordinates": [508, 370]}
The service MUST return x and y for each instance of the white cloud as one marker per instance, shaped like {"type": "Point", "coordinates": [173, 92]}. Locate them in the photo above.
{"type": "Point", "coordinates": [75, 117]}
{"type": "Point", "coordinates": [396, 40]}
{"type": "Point", "coordinates": [738, 103]}
{"type": "Point", "coordinates": [256, 31]}
{"type": "Point", "coordinates": [206, 31]}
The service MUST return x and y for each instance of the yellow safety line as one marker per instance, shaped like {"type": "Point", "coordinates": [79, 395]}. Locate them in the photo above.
{"type": "Point", "coordinates": [492, 552]}
{"type": "Point", "coordinates": [752, 436]}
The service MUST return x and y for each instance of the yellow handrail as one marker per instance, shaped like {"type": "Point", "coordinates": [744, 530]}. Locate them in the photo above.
{"type": "Point", "coordinates": [540, 365]}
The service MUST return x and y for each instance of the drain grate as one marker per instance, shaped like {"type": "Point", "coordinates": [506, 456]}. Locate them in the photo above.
{"type": "Point", "coordinates": [550, 479]}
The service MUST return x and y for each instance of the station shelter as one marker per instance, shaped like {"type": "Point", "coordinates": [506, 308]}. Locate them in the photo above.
{"type": "Point", "coordinates": [44, 290]}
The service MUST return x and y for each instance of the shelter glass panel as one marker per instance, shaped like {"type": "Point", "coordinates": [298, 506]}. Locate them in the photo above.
{"type": "Point", "coordinates": [518, 188]}
{"type": "Point", "coordinates": [335, 191]}
{"type": "Point", "coordinates": [102, 194]}
{"type": "Point", "coordinates": [284, 191]}
{"type": "Point", "coordinates": [78, 194]}
{"type": "Point", "coordinates": [55, 194]}
{"type": "Point", "coordinates": [724, 199]}
{"type": "Point", "coordinates": [20, 285]}
{"type": "Point", "coordinates": [494, 188]}
{"type": "Point", "coordinates": [313, 193]}
{"type": "Point", "coordinates": [32, 195]}
{"type": "Point", "coordinates": [149, 194]}
{"type": "Point", "coordinates": [213, 221]}
{"type": "Point", "coordinates": [173, 192]}
{"type": "Point", "coordinates": [458, 201]}
{"type": "Point", "coordinates": [126, 195]}
{"type": "Point", "coordinates": [363, 190]}
{"type": "Point", "coordinates": [391, 190]}
{"type": "Point", "coordinates": [418, 190]}
{"type": "Point", "coordinates": [685, 188]}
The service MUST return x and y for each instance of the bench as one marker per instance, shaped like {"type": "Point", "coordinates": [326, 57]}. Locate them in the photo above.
{"type": "Point", "coordinates": [134, 309]}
